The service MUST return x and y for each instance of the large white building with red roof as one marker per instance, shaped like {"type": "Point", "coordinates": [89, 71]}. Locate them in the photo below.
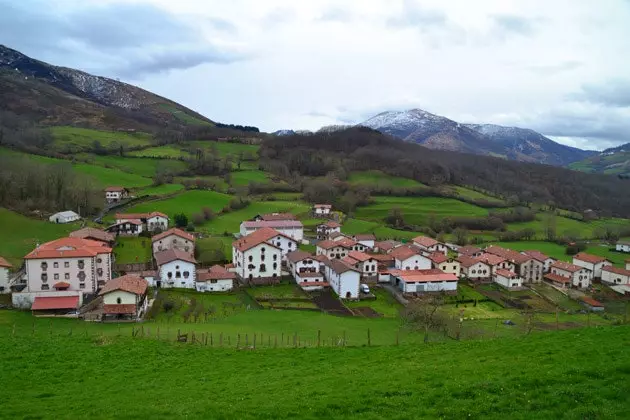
{"type": "Point", "coordinates": [594, 263]}
{"type": "Point", "coordinates": [615, 275]}
{"type": "Point", "coordinates": [215, 279]}
{"type": "Point", "coordinates": [306, 270]}
{"type": "Point", "coordinates": [564, 275]}
{"type": "Point", "coordinates": [257, 257]}
{"type": "Point", "coordinates": [423, 281]}
{"type": "Point", "coordinates": [406, 258]}
{"type": "Point", "coordinates": [291, 228]}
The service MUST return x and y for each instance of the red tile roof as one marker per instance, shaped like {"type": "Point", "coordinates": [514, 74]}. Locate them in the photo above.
{"type": "Point", "coordinates": [129, 283]}
{"type": "Point", "coordinates": [176, 232]}
{"type": "Point", "coordinates": [169, 255]}
{"type": "Point", "coordinates": [92, 233]}
{"type": "Point", "coordinates": [537, 255]}
{"type": "Point", "coordinates": [321, 258]}
{"type": "Point", "coordinates": [299, 255]}
{"type": "Point", "coordinates": [591, 259]}
{"type": "Point", "coordinates": [468, 250]}
{"type": "Point", "coordinates": [322, 206]}
{"type": "Point", "coordinates": [340, 267]}
{"type": "Point", "coordinates": [490, 259]}
{"type": "Point", "coordinates": [4, 263]}
{"type": "Point", "coordinates": [508, 254]}
{"type": "Point", "coordinates": [470, 261]}
{"type": "Point", "coordinates": [565, 266]}
{"type": "Point", "coordinates": [403, 252]}
{"type": "Point", "coordinates": [425, 241]}
{"type": "Point", "coordinates": [216, 272]}
{"type": "Point", "coordinates": [438, 257]}
{"type": "Point", "coordinates": [423, 276]}
{"type": "Point", "coordinates": [328, 244]}
{"type": "Point", "coordinates": [122, 309]}
{"type": "Point", "coordinates": [359, 256]}
{"type": "Point", "coordinates": [557, 278]}
{"type": "Point", "coordinates": [55, 302]}
{"type": "Point", "coordinates": [332, 224]}
{"type": "Point", "coordinates": [382, 257]}
{"type": "Point", "coordinates": [115, 189]}
{"type": "Point", "coordinates": [364, 237]}
{"type": "Point", "coordinates": [68, 248]}
{"type": "Point", "coordinates": [616, 270]}
{"type": "Point", "coordinates": [310, 275]}
{"type": "Point", "coordinates": [261, 236]}
{"type": "Point", "coordinates": [386, 245]}
{"type": "Point", "coordinates": [277, 216]}
{"type": "Point", "coordinates": [61, 285]}
{"type": "Point", "coordinates": [274, 224]}
{"type": "Point", "coordinates": [506, 273]}
{"type": "Point", "coordinates": [591, 302]}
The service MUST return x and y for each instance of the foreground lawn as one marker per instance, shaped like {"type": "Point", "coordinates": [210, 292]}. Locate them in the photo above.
{"type": "Point", "coordinates": [21, 234]}
{"type": "Point", "coordinates": [532, 377]}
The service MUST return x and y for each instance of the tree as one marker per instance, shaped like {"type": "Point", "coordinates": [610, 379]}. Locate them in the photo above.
{"type": "Point", "coordinates": [208, 213]}
{"type": "Point", "coordinates": [181, 220]}
{"type": "Point", "coordinates": [395, 217]}
{"type": "Point", "coordinates": [425, 314]}
{"type": "Point", "coordinates": [198, 219]}
{"type": "Point", "coordinates": [550, 227]}
{"type": "Point", "coordinates": [461, 236]}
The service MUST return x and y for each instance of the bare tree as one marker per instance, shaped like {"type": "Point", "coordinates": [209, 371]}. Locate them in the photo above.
{"type": "Point", "coordinates": [425, 314]}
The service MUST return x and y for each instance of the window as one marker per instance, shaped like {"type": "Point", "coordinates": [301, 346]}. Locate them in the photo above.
{"type": "Point", "coordinates": [275, 266]}
{"type": "Point", "coordinates": [81, 285]}
{"type": "Point", "coordinates": [55, 265]}
{"type": "Point", "coordinates": [118, 301]}
{"type": "Point", "coordinates": [178, 274]}
{"type": "Point", "coordinates": [262, 249]}
{"type": "Point", "coordinates": [81, 275]}
{"type": "Point", "coordinates": [186, 274]}
{"type": "Point", "coordinates": [251, 258]}
{"type": "Point", "coordinates": [66, 264]}
{"type": "Point", "coordinates": [99, 271]}
{"type": "Point", "coordinates": [170, 275]}
{"type": "Point", "coordinates": [66, 276]}
{"type": "Point", "coordinates": [81, 264]}
{"type": "Point", "coordinates": [99, 260]}
{"type": "Point", "coordinates": [177, 267]}
{"type": "Point", "coordinates": [474, 271]}
{"type": "Point", "coordinates": [44, 277]}
{"type": "Point", "coordinates": [263, 268]}
{"type": "Point", "coordinates": [56, 276]}
{"type": "Point", "coordinates": [262, 257]}
{"type": "Point", "coordinates": [275, 257]}
{"type": "Point", "coordinates": [44, 266]}
{"type": "Point", "coordinates": [213, 281]}
{"type": "Point", "coordinates": [45, 287]}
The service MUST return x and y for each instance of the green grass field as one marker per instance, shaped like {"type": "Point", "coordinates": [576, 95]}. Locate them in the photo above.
{"type": "Point", "coordinates": [104, 177]}
{"type": "Point", "coordinates": [145, 167]}
{"type": "Point", "coordinates": [566, 225]}
{"type": "Point", "coordinates": [526, 377]}
{"type": "Point", "coordinates": [418, 210]}
{"type": "Point", "coordinates": [184, 117]}
{"type": "Point", "coordinates": [475, 195]}
{"type": "Point", "coordinates": [188, 202]}
{"type": "Point", "coordinates": [380, 179]}
{"type": "Point", "coordinates": [245, 177]}
{"type": "Point", "coordinates": [384, 304]}
{"type": "Point", "coordinates": [169, 151]}
{"type": "Point", "coordinates": [354, 226]}
{"type": "Point", "coordinates": [163, 189]}
{"type": "Point", "coordinates": [133, 250]}
{"type": "Point", "coordinates": [226, 148]}
{"type": "Point", "coordinates": [74, 139]}
{"type": "Point", "coordinates": [21, 234]}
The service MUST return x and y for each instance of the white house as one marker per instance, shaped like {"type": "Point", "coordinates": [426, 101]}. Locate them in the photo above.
{"type": "Point", "coordinates": [291, 228]}
{"type": "Point", "coordinates": [430, 245]}
{"type": "Point", "coordinates": [152, 222]}
{"type": "Point", "coordinates": [564, 275]}
{"type": "Point", "coordinates": [274, 237]}
{"type": "Point", "coordinates": [469, 251]}
{"type": "Point", "coordinates": [324, 230]}
{"type": "Point", "coordinates": [406, 258]}
{"type": "Point", "coordinates": [474, 268]}
{"type": "Point", "coordinates": [215, 279]}
{"type": "Point", "coordinates": [423, 281]}
{"type": "Point", "coordinates": [306, 270]}
{"type": "Point", "coordinates": [623, 246]}
{"type": "Point", "coordinates": [125, 296]}
{"type": "Point", "coordinates": [343, 279]}
{"type": "Point", "coordinates": [257, 261]}
{"type": "Point", "coordinates": [615, 275]}
{"type": "Point", "coordinates": [591, 262]}
{"type": "Point", "coordinates": [4, 276]}
{"type": "Point", "coordinates": [64, 217]}
{"type": "Point", "coordinates": [496, 262]}
{"type": "Point", "coordinates": [366, 264]}
{"type": "Point", "coordinates": [529, 268]}
{"type": "Point", "coordinates": [176, 269]}
{"type": "Point", "coordinates": [366, 239]}
{"type": "Point", "coordinates": [115, 194]}
{"type": "Point", "coordinates": [333, 249]}
{"type": "Point", "coordinates": [539, 256]}
{"type": "Point", "coordinates": [507, 279]}
{"type": "Point", "coordinates": [174, 239]}
{"type": "Point", "coordinates": [321, 210]}
{"type": "Point", "coordinates": [126, 228]}
{"type": "Point", "coordinates": [444, 263]}
{"type": "Point", "coordinates": [386, 246]}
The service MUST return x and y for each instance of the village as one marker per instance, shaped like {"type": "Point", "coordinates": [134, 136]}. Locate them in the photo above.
{"type": "Point", "coordinates": [74, 276]}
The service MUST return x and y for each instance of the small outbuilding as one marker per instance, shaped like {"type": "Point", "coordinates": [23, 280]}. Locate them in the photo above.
{"type": "Point", "coordinates": [64, 217]}
{"type": "Point", "coordinates": [214, 279]}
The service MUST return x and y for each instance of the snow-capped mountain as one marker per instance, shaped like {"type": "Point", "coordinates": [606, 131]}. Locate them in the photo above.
{"type": "Point", "coordinates": [438, 132]}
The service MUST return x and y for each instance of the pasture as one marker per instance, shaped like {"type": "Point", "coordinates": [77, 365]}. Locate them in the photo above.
{"type": "Point", "coordinates": [380, 179]}
{"type": "Point", "coordinates": [73, 139]}
{"type": "Point", "coordinates": [145, 167]}
{"type": "Point", "coordinates": [188, 202]}
{"type": "Point", "coordinates": [104, 177]}
{"type": "Point", "coordinates": [133, 250]}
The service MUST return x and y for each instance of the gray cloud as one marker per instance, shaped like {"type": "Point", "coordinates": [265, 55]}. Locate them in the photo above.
{"type": "Point", "coordinates": [514, 24]}
{"type": "Point", "coordinates": [125, 39]}
{"type": "Point", "coordinates": [614, 93]}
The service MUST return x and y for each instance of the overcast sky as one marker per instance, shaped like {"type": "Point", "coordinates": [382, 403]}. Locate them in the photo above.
{"type": "Point", "coordinates": [561, 67]}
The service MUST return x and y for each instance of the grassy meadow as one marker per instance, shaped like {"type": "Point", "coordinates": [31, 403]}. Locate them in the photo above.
{"type": "Point", "coordinates": [378, 178]}
{"type": "Point", "coordinates": [188, 202]}
{"type": "Point", "coordinates": [73, 139]}
{"type": "Point", "coordinates": [133, 250]}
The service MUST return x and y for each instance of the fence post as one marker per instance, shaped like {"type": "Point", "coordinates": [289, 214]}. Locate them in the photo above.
{"type": "Point", "coordinates": [269, 341]}
{"type": "Point", "coordinates": [369, 339]}
{"type": "Point", "coordinates": [178, 334]}
{"type": "Point", "coordinates": [33, 331]}
{"type": "Point", "coordinates": [254, 345]}
{"type": "Point", "coordinates": [319, 337]}
{"type": "Point", "coordinates": [275, 342]}
{"type": "Point", "coordinates": [238, 341]}
{"type": "Point", "coordinates": [246, 340]}
{"type": "Point", "coordinates": [13, 331]}
{"type": "Point", "coordinates": [158, 332]}
{"type": "Point", "coordinates": [343, 343]}
{"type": "Point", "coordinates": [398, 337]}
{"type": "Point", "coordinates": [142, 328]}
{"type": "Point", "coordinates": [133, 331]}
{"type": "Point", "coordinates": [282, 339]}
{"type": "Point", "coordinates": [220, 339]}
{"type": "Point", "coordinates": [229, 340]}
{"type": "Point", "coordinates": [295, 340]}
{"type": "Point", "coordinates": [70, 332]}
{"type": "Point", "coordinates": [211, 340]}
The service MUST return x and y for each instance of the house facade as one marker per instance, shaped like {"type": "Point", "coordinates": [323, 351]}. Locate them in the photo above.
{"type": "Point", "coordinates": [365, 263]}
{"type": "Point", "coordinates": [256, 261]}
{"type": "Point", "coordinates": [4, 276]}
{"type": "Point", "coordinates": [215, 279]}
{"type": "Point", "coordinates": [173, 239]}
{"type": "Point", "coordinates": [343, 279]}
{"type": "Point", "coordinates": [475, 269]}
{"type": "Point", "coordinates": [64, 217]}
{"type": "Point", "coordinates": [366, 239]}
{"type": "Point", "coordinates": [116, 194]}
{"type": "Point", "coordinates": [322, 210]}
{"type": "Point", "coordinates": [125, 296]}
{"type": "Point", "coordinates": [564, 274]}
{"type": "Point", "coordinates": [615, 275]}
{"type": "Point", "coordinates": [176, 269]}
{"type": "Point", "coordinates": [126, 228]}
{"type": "Point", "coordinates": [307, 271]}
{"type": "Point", "coordinates": [324, 230]}
{"type": "Point", "coordinates": [469, 251]}
{"type": "Point", "coordinates": [333, 249]}
{"type": "Point", "coordinates": [593, 263]}
{"type": "Point", "coordinates": [430, 245]}
{"type": "Point", "coordinates": [442, 262]}
{"type": "Point", "coordinates": [292, 228]}
{"type": "Point", "coordinates": [424, 281]}
{"type": "Point", "coordinates": [540, 257]}
{"type": "Point", "coordinates": [508, 279]}
{"type": "Point", "coordinates": [152, 222]}
{"type": "Point", "coordinates": [530, 269]}
{"type": "Point", "coordinates": [496, 262]}
{"type": "Point", "coordinates": [406, 258]}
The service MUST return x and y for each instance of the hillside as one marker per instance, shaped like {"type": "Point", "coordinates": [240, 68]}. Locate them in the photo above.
{"type": "Point", "coordinates": [440, 133]}
{"type": "Point", "coordinates": [529, 377]}
{"type": "Point", "coordinates": [53, 95]}
{"type": "Point", "coordinates": [614, 161]}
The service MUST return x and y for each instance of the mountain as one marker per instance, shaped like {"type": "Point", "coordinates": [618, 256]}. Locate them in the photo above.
{"type": "Point", "coordinates": [54, 95]}
{"type": "Point", "coordinates": [283, 133]}
{"type": "Point", "coordinates": [437, 132]}
{"type": "Point", "coordinates": [530, 146]}
{"type": "Point", "coordinates": [613, 161]}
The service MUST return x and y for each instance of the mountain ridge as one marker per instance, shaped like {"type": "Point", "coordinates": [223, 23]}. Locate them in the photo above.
{"type": "Point", "coordinates": [441, 133]}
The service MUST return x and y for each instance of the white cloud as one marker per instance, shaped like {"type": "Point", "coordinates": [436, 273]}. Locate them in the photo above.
{"type": "Point", "coordinates": [317, 62]}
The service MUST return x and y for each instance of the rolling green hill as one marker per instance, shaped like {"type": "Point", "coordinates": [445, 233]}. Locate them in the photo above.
{"type": "Point", "coordinates": [611, 161]}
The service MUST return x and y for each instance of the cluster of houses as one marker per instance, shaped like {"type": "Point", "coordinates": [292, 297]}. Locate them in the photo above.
{"type": "Point", "coordinates": [62, 275]}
